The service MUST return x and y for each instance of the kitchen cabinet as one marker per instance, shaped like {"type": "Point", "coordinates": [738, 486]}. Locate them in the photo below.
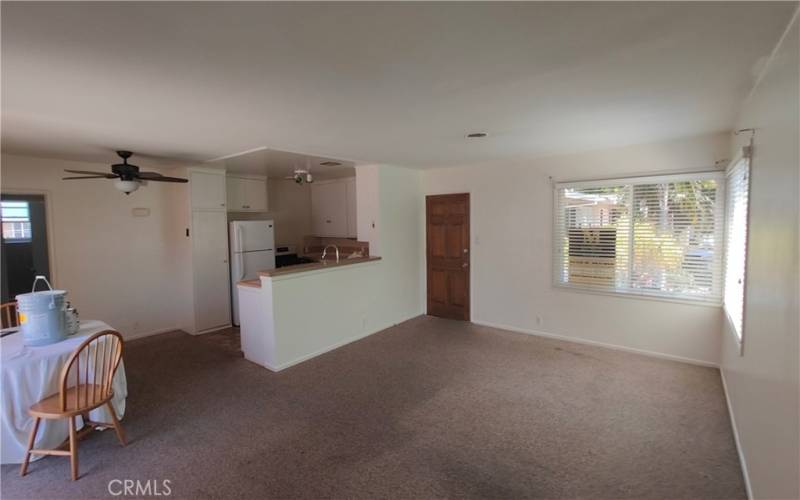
{"type": "Point", "coordinates": [207, 188]}
{"type": "Point", "coordinates": [333, 208]}
{"type": "Point", "coordinates": [246, 194]}
{"type": "Point", "coordinates": [329, 209]}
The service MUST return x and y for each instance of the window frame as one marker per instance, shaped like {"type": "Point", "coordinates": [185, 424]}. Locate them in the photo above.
{"type": "Point", "coordinates": [717, 175]}
{"type": "Point", "coordinates": [13, 241]}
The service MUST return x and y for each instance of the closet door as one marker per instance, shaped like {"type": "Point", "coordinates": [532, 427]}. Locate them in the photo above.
{"type": "Point", "coordinates": [210, 267]}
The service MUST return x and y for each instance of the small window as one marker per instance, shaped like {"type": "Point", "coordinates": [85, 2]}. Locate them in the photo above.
{"type": "Point", "coordinates": [737, 194]}
{"type": "Point", "coordinates": [655, 236]}
{"type": "Point", "coordinates": [16, 221]}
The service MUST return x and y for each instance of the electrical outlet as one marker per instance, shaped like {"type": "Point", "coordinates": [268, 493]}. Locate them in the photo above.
{"type": "Point", "coordinates": [538, 321]}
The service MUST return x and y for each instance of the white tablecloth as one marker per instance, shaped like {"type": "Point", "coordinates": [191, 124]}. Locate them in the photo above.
{"type": "Point", "coordinates": [30, 374]}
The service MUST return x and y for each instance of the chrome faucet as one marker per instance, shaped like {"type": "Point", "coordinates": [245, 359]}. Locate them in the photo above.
{"type": "Point", "coordinates": [325, 252]}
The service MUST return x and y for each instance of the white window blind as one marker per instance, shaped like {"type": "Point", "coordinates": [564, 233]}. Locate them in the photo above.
{"type": "Point", "coordinates": [737, 191]}
{"type": "Point", "coordinates": [658, 236]}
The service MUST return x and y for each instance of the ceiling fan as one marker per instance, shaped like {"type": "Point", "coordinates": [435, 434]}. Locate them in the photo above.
{"type": "Point", "coordinates": [302, 175]}
{"type": "Point", "coordinates": [128, 176]}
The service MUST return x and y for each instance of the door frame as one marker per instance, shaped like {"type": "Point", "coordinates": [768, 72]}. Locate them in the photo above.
{"type": "Point", "coordinates": [49, 222]}
{"type": "Point", "coordinates": [472, 244]}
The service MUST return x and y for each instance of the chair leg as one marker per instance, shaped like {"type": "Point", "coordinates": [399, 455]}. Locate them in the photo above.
{"type": "Point", "coordinates": [73, 447]}
{"type": "Point", "coordinates": [24, 468]}
{"type": "Point", "coordinates": [117, 426]}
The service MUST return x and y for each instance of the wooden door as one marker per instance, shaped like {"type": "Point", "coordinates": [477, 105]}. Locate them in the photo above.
{"type": "Point", "coordinates": [447, 227]}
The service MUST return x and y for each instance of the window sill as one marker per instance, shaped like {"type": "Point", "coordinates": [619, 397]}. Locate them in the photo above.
{"type": "Point", "coordinates": [636, 296]}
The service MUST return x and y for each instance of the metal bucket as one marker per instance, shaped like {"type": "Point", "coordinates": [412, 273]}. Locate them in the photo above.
{"type": "Point", "coordinates": [42, 315]}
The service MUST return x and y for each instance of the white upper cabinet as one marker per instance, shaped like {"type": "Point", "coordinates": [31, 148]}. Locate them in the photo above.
{"type": "Point", "coordinates": [328, 209]}
{"type": "Point", "coordinates": [207, 189]}
{"type": "Point", "coordinates": [246, 194]}
{"type": "Point", "coordinates": [333, 208]}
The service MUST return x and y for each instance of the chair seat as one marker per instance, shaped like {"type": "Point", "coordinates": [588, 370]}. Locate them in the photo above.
{"type": "Point", "coordinates": [50, 407]}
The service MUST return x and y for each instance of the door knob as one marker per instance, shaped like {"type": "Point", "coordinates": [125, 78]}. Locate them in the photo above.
{"type": "Point", "coordinates": [464, 264]}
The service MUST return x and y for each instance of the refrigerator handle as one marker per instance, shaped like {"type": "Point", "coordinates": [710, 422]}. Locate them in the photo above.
{"type": "Point", "coordinates": [238, 234]}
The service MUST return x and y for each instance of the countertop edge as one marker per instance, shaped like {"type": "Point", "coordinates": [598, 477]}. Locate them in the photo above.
{"type": "Point", "coordinates": [304, 269]}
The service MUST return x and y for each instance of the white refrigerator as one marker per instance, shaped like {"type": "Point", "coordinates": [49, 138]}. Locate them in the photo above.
{"type": "Point", "coordinates": [252, 250]}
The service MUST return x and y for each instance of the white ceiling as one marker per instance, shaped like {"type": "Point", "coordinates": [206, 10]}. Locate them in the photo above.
{"type": "Point", "coordinates": [280, 164]}
{"type": "Point", "coordinates": [397, 83]}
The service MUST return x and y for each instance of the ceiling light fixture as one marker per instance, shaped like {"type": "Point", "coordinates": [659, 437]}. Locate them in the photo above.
{"type": "Point", "coordinates": [477, 135]}
{"type": "Point", "coordinates": [330, 163]}
{"type": "Point", "coordinates": [126, 186]}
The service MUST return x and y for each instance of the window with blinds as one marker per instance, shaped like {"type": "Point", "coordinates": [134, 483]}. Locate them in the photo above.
{"type": "Point", "coordinates": [658, 236]}
{"type": "Point", "coordinates": [736, 194]}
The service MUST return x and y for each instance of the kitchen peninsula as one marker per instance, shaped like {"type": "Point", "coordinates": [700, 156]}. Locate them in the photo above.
{"type": "Point", "coordinates": [292, 314]}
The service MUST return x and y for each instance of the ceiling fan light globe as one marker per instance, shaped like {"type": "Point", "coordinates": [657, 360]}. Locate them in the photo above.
{"type": "Point", "coordinates": [309, 178]}
{"type": "Point", "coordinates": [126, 187]}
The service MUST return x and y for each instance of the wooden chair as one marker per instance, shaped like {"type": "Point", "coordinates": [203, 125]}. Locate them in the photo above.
{"type": "Point", "coordinates": [93, 364]}
{"type": "Point", "coordinates": [8, 315]}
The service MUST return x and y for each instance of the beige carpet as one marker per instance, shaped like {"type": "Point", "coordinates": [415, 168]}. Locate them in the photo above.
{"type": "Point", "coordinates": [429, 408]}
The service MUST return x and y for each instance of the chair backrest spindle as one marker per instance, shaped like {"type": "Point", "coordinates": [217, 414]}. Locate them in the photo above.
{"type": "Point", "coordinates": [8, 315]}
{"type": "Point", "coordinates": [105, 350]}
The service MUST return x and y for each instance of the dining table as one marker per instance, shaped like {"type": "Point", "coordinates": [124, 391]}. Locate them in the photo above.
{"type": "Point", "coordinates": [30, 374]}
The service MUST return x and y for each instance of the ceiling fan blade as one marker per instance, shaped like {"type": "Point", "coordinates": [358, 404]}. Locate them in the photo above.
{"type": "Point", "coordinates": [162, 178]}
{"type": "Point", "coordinates": [89, 172]}
{"type": "Point", "coordinates": [86, 177]}
{"type": "Point", "coordinates": [155, 176]}
{"type": "Point", "coordinates": [149, 175]}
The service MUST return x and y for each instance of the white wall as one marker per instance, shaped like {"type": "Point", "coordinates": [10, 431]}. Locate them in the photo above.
{"type": "Point", "coordinates": [132, 272]}
{"type": "Point", "coordinates": [289, 208]}
{"type": "Point", "coordinates": [368, 207]}
{"type": "Point", "coordinates": [511, 227]}
{"type": "Point", "coordinates": [763, 383]}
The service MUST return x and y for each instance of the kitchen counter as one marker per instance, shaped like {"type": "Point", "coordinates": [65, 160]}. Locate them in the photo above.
{"type": "Point", "coordinates": [313, 266]}
{"type": "Point", "coordinates": [301, 268]}
{"type": "Point", "coordinates": [294, 313]}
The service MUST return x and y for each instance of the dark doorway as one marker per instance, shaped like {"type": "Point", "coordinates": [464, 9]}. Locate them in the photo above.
{"type": "Point", "coordinates": [24, 243]}
{"type": "Point", "coordinates": [448, 255]}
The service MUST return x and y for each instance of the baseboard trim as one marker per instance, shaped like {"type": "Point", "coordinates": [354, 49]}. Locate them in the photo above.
{"type": "Point", "coordinates": [579, 340]}
{"type": "Point", "coordinates": [742, 461]}
{"type": "Point", "coordinates": [212, 330]}
{"type": "Point", "coordinates": [142, 335]}
{"type": "Point", "coordinates": [336, 345]}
